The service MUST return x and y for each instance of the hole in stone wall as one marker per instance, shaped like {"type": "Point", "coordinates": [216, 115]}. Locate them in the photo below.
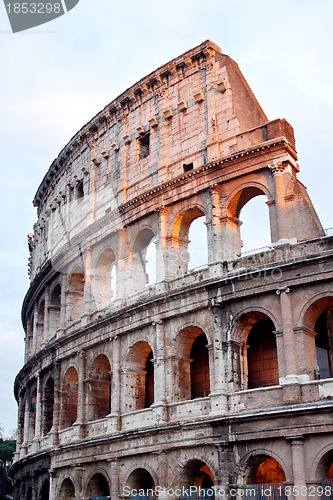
{"type": "Point", "coordinates": [262, 355]}
{"type": "Point", "coordinates": [200, 382]}
{"type": "Point", "coordinates": [144, 146]}
{"type": "Point", "coordinates": [255, 228]}
{"type": "Point", "coordinates": [80, 190]}
{"type": "Point", "coordinates": [197, 247]}
{"type": "Point", "coordinates": [187, 167]}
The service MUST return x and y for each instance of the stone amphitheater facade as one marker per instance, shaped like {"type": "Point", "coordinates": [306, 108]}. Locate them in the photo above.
{"type": "Point", "coordinates": [164, 378]}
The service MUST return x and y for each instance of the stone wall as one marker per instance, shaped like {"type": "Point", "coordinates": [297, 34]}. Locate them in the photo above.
{"type": "Point", "coordinates": [141, 372]}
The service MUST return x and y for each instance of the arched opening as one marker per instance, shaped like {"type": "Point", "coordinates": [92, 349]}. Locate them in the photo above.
{"type": "Point", "coordinates": [104, 279]}
{"type": "Point", "coordinates": [29, 494]}
{"type": "Point", "coordinates": [75, 300]}
{"type": "Point", "coordinates": [324, 343]}
{"type": "Point", "coordinates": [98, 486]}
{"type": "Point", "coordinates": [143, 261]}
{"type": "Point", "coordinates": [100, 388]}
{"type": "Point", "coordinates": [45, 490]}
{"type": "Point", "coordinates": [325, 467]}
{"type": "Point", "coordinates": [200, 380]}
{"type": "Point", "coordinates": [319, 319]}
{"type": "Point", "coordinates": [197, 478]}
{"type": "Point", "coordinates": [32, 413]}
{"type": "Point", "coordinates": [29, 335]}
{"type": "Point", "coordinates": [141, 481]}
{"type": "Point", "coordinates": [54, 310]}
{"type": "Point", "coordinates": [40, 324]}
{"type": "Point", "coordinates": [193, 375]}
{"type": "Point", "coordinates": [255, 231]}
{"type": "Point", "coordinates": [189, 242]}
{"type": "Point", "coordinates": [197, 246]}
{"type": "Point", "coordinates": [269, 471]}
{"type": "Point", "coordinates": [20, 429]}
{"type": "Point", "coordinates": [151, 263]}
{"type": "Point", "coordinates": [69, 398]}
{"type": "Point", "coordinates": [255, 226]}
{"type": "Point", "coordinates": [149, 383]}
{"type": "Point", "coordinates": [140, 377]}
{"type": "Point", "coordinates": [48, 403]}
{"type": "Point", "coordinates": [262, 358]}
{"type": "Point", "coordinates": [265, 470]}
{"type": "Point", "coordinates": [67, 490]}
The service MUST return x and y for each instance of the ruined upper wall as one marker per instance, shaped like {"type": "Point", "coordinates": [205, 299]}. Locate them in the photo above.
{"type": "Point", "coordinates": [189, 113]}
{"type": "Point", "coordinates": [203, 72]}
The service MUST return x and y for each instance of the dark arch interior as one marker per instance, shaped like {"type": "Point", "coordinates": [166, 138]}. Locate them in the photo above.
{"type": "Point", "coordinates": [149, 384]}
{"type": "Point", "coordinates": [141, 479]}
{"type": "Point", "coordinates": [265, 470]}
{"type": "Point", "coordinates": [98, 486]}
{"type": "Point", "coordinates": [324, 343]}
{"type": "Point", "coordinates": [200, 383]}
{"type": "Point", "coordinates": [262, 355]}
{"type": "Point", "coordinates": [45, 490]}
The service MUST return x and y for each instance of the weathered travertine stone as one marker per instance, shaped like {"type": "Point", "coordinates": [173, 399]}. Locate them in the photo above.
{"type": "Point", "coordinates": [139, 376]}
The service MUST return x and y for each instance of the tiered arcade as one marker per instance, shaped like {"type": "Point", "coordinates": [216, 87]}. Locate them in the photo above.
{"type": "Point", "coordinates": [140, 372]}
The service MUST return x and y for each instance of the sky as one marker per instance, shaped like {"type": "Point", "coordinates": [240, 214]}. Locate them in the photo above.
{"type": "Point", "coordinates": [56, 77]}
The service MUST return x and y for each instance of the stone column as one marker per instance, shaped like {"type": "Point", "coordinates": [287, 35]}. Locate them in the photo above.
{"type": "Point", "coordinates": [78, 482]}
{"type": "Point", "coordinates": [290, 382]}
{"type": "Point", "coordinates": [38, 421]}
{"type": "Point", "coordinates": [160, 390]}
{"type": "Point", "coordinates": [224, 462]}
{"type": "Point", "coordinates": [215, 253]}
{"type": "Point", "coordinates": [297, 454]}
{"type": "Point", "coordinates": [160, 374]}
{"type": "Point", "coordinates": [46, 335]}
{"type": "Point", "coordinates": [93, 192]}
{"type": "Point", "coordinates": [230, 237]}
{"type": "Point", "coordinates": [56, 404]}
{"type": "Point", "coordinates": [171, 368]}
{"type": "Point", "coordinates": [280, 348]}
{"type": "Point", "coordinates": [116, 382]}
{"type": "Point", "coordinates": [53, 484]}
{"type": "Point", "coordinates": [28, 340]}
{"type": "Point", "coordinates": [162, 246]}
{"type": "Point", "coordinates": [35, 329]}
{"type": "Point", "coordinates": [217, 369]}
{"type": "Point", "coordinates": [89, 306]}
{"type": "Point", "coordinates": [114, 491]}
{"type": "Point", "coordinates": [122, 264]}
{"type": "Point", "coordinates": [281, 230]}
{"type": "Point", "coordinates": [81, 406]}
{"type": "Point", "coordinates": [162, 459]}
{"type": "Point", "coordinates": [26, 420]}
{"type": "Point", "coordinates": [62, 317]}
{"type": "Point", "coordinates": [70, 201]}
{"type": "Point", "coordinates": [288, 332]}
{"type": "Point", "coordinates": [34, 486]}
{"type": "Point", "coordinates": [20, 427]}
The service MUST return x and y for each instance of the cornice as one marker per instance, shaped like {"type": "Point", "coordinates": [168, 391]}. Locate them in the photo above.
{"type": "Point", "coordinates": [122, 104]}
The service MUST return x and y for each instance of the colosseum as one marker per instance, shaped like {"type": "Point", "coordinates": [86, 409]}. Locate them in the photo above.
{"type": "Point", "coordinates": [145, 375]}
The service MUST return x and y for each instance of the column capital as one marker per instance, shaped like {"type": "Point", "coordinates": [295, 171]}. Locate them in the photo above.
{"type": "Point", "coordinates": [214, 188]}
{"type": "Point", "coordinates": [283, 290]}
{"type": "Point", "coordinates": [162, 210]}
{"type": "Point", "coordinates": [296, 440]}
{"type": "Point", "coordinates": [277, 168]}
